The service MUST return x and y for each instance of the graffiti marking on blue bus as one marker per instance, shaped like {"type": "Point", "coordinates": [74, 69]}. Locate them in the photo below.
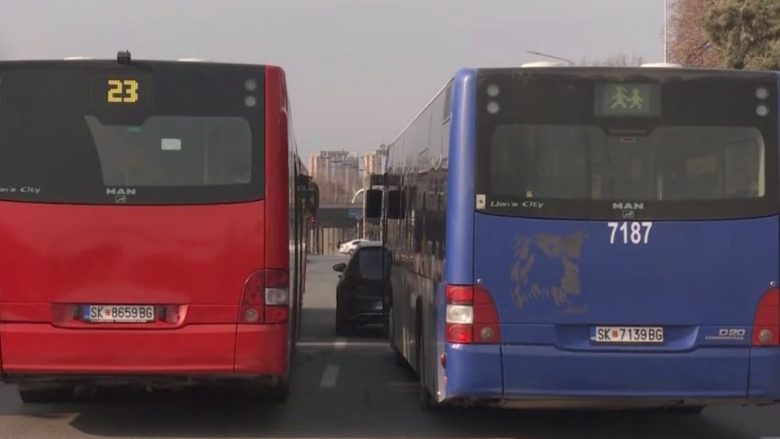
{"type": "Point", "coordinates": [546, 268]}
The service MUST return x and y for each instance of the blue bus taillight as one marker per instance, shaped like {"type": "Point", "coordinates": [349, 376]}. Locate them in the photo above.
{"type": "Point", "coordinates": [266, 297]}
{"type": "Point", "coordinates": [766, 326]}
{"type": "Point", "coordinates": [472, 316]}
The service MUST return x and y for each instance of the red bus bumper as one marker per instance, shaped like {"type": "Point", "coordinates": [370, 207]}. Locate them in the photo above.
{"type": "Point", "coordinates": [209, 349]}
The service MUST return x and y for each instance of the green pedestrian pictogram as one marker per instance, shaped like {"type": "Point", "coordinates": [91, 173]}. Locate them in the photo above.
{"type": "Point", "coordinates": [620, 98]}
{"type": "Point", "coordinates": [637, 101]}
{"type": "Point", "coordinates": [625, 100]}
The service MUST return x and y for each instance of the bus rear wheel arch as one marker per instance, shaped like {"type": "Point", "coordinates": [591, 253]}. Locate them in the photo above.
{"type": "Point", "coordinates": [426, 398]}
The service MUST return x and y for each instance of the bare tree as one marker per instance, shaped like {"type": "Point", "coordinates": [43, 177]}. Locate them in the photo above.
{"type": "Point", "coordinates": [689, 43]}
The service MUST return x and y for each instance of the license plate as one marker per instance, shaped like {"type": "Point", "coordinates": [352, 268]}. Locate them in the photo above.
{"type": "Point", "coordinates": [118, 313]}
{"type": "Point", "coordinates": [627, 334]}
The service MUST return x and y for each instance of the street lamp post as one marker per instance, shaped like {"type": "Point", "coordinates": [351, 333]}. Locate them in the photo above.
{"type": "Point", "coordinates": [363, 216]}
{"type": "Point", "coordinates": [534, 52]}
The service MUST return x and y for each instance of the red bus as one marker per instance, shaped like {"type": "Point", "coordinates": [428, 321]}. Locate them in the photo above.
{"type": "Point", "coordinates": [153, 218]}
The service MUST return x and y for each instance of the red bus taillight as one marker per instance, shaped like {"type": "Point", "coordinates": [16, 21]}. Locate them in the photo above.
{"type": "Point", "coordinates": [277, 295]}
{"type": "Point", "coordinates": [266, 297]}
{"type": "Point", "coordinates": [766, 326]}
{"type": "Point", "coordinates": [472, 316]}
{"type": "Point", "coordinates": [252, 299]}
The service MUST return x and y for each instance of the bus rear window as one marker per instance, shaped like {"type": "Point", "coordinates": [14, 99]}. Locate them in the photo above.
{"type": "Point", "coordinates": [174, 151]}
{"type": "Point", "coordinates": [627, 143]}
{"type": "Point", "coordinates": [151, 133]}
{"type": "Point", "coordinates": [686, 163]}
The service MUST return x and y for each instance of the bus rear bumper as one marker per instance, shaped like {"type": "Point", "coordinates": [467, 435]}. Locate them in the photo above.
{"type": "Point", "coordinates": [544, 376]}
{"type": "Point", "coordinates": [474, 371]}
{"type": "Point", "coordinates": [764, 374]}
{"type": "Point", "coordinates": [39, 349]}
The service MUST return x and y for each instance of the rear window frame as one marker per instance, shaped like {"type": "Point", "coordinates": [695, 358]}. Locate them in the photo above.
{"type": "Point", "coordinates": [186, 100]}
{"type": "Point", "coordinates": [581, 104]}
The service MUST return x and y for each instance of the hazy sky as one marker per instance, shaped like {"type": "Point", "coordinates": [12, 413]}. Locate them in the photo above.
{"type": "Point", "coordinates": [358, 70]}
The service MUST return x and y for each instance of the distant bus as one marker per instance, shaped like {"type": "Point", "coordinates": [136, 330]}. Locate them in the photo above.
{"type": "Point", "coordinates": [588, 236]}
{"type": "Point", "coordinates": [153, 218]}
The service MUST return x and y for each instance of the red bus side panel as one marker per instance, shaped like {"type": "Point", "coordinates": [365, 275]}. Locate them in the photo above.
{"type": "Point", "coordinates": [277, 185]}
{"type": "Point", "coordinates": [265, 349]}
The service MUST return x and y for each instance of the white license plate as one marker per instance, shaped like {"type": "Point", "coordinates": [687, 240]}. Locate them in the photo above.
{"type": "Point", "coordinates": [118, 313]}
{"type": "Point", "coordinates": [627, 334]}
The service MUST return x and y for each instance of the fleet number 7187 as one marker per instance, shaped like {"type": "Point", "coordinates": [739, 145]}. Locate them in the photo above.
{"type": "Point", "coordinates": [631, 232]}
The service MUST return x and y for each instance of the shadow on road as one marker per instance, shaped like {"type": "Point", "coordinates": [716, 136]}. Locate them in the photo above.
{"type": "Point", "coordinates": [361, 411]}
{"type": "Point", "coordinates": [320, 325]}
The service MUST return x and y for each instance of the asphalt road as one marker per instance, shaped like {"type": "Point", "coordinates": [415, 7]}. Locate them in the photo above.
{"type": "Point", "coordinates": [349, 388]}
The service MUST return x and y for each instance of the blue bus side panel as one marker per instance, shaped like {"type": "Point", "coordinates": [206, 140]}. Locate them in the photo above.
{"type": "Point", "coordinates": [439, 319]}
{"type": "Point", "coordinates": [459, 263]}
{"type": "Point", "coordinates": [418, 158]}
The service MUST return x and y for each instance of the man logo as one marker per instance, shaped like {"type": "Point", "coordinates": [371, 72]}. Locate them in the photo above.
{"type": "Point", "coordinates": [120, 191]}
{"type": "Point", "coordinates": [628, 206]}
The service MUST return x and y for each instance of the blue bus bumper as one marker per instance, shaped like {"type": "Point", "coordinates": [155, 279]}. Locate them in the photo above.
{"type": "Point", "coordinates": [526, 372]}
{"type": "Point", "coordinates": [764, 374]}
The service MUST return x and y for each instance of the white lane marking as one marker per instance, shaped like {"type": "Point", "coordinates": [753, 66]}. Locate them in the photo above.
{"type": "Point", "coordinates": [343, 344]}
{"type": "Point", "coordinates": [330, 376]}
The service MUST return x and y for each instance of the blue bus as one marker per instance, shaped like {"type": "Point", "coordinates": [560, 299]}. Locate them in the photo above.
{"type": "Point", "coordinates": [600, 237]}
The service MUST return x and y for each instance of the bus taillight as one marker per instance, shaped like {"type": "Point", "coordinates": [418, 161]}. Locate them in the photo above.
{"type": "Point", "coordinates": [266, 297]}
{"type": "Point", "coordinates": [472, 316]}
{"type": "Point", "coordinates": [277, 296]}
{"type": "Point", "coordinates": [766, 326]}
{"type": "Point", "coordinates": [252, 299]}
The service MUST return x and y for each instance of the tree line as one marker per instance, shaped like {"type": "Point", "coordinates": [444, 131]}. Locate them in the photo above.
{"type": "Point", "coordinates": [737, 34]}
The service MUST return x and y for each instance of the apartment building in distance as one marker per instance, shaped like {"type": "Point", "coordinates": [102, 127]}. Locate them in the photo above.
{"type": "Point", "coordinates": [341, 173]}
{"type": "Point", "coordinates": [337, 173]}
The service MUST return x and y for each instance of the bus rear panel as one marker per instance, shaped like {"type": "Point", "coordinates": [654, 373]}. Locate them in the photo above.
{"type": "Point", "coordinates": [133, 223]}
{"type": "Point", "coordinates": [626, 231]}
